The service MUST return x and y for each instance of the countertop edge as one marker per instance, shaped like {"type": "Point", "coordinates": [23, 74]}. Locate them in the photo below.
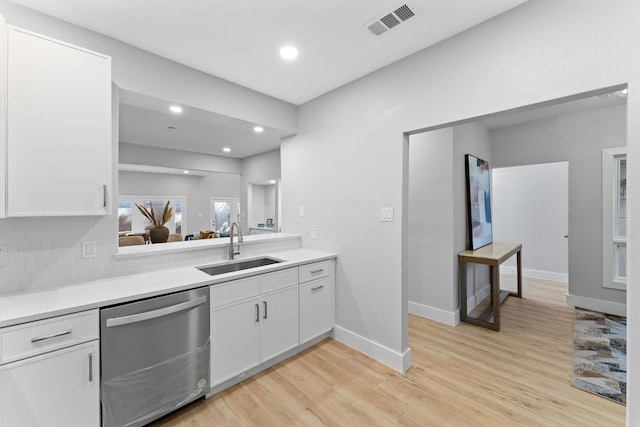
{"type": "Point", "coordinates": [45, 304]}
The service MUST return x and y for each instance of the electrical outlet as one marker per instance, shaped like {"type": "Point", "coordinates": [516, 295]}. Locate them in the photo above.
{"type": "Point", "coordinates": [89, 249]}
{"type": "Point", "coordinates": [313, 234]}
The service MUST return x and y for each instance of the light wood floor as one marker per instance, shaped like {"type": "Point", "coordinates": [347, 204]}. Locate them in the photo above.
{"type": "Point", "coordinates": [460, 376]}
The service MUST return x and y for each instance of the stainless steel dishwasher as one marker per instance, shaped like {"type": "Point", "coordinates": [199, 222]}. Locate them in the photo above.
{"type": "Point", "coordinates": [154, 356]}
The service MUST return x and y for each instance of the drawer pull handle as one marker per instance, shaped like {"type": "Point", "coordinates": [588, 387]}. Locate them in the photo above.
{"type": "Point", "coordinates": [50, 337]}
{"type": "Point", "coordinates": [320, 270]}
{"type": "Point", "coordinates": [317, 288]}
{"type": "Point", "coordinates": [90, 367]}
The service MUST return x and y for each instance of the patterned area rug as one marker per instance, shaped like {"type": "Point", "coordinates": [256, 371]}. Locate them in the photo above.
{"type": "Point", "coordinates": [600, 354]}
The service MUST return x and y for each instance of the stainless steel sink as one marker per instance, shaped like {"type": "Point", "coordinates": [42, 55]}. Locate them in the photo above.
{"type": "Point", "coordinates": [237, 266]}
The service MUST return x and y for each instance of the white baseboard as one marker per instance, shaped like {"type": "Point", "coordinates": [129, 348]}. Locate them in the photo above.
{"type": "Point", "coordinates": [398, 361]}
{"type": "Point", "coordinates": [536, 274]}
{"type": "Point", "coordinates": [433, 313]}
{"type": "Point", "coordinates": [479, 296]}
{"type": "Point", "coordinates": [608, 307]}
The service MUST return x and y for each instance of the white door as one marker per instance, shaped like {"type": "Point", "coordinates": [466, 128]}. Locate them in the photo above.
{"type": "Point", "coordinates": [224, 212]}
{"type": "Point", "coordinates": [531, 205]}
{"type": "Point", "coordinates": [60, 388]}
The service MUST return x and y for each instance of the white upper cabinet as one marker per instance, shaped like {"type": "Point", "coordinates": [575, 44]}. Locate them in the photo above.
{"type": "Point", "coordinates": [58, 127]}
{"type": "Point", "coordinates": [3, 119]}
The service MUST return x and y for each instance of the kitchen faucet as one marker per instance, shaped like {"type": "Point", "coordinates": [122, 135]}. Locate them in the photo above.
{"type": "Point", "coordinates": [233, 252]}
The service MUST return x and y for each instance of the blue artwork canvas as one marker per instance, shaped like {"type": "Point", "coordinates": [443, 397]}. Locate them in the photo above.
{"type": "Point", "coordinates": [478, 202]}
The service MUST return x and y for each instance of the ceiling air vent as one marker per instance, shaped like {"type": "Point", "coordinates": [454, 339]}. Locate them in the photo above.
{"type": "Point", "coordinates": [392, 19]}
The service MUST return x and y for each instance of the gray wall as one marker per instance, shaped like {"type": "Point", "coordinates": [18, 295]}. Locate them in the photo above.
{"type": "Point", "coordinates": [431, 226]}
{"type": "Point", "coordinates": [471, 138]}
{"type": "Point", "coordinates": [578, 138]}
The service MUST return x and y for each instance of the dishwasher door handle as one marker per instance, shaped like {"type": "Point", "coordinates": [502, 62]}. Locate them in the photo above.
{"type": "Point", "coordinates": [147, 315]}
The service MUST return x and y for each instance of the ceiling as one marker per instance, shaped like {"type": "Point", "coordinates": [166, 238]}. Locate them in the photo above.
{"type": "Point", "coordinates": [239, 40]}
{"type": "Point", "coordinates": [145, 120]}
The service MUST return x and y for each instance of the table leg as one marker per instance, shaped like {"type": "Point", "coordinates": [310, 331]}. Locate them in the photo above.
{"type": "Point", "coordinates": [463, 290]}
{"type": "Point", "coordinates": [495, 295]}
{"type": "Point", "coordinates": [519, 263]}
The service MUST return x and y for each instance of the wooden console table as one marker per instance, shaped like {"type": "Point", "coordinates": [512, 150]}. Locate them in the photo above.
{"type": "Point", "coordinates": [492, 255]}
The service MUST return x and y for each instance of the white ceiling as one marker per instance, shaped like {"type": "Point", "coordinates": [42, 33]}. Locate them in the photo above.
{"type": "Point", "coordinates": [239, 40]}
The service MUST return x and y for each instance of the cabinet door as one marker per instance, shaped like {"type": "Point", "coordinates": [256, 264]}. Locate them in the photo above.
{"type": "Point", "coordinates": [59, 127]}
{"type": "Point", "coordinates": [316, 308]}
{"type": "Point", "coordinates": [56, 389]}
{"type": "Point", "coordinates": [234, 339]}
{"type": "Point", "coordinates": [279, 318]}
{"type": "Point", "coordinates": [3, 117]}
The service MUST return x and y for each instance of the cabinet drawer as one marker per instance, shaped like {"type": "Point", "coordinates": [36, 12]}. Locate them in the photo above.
{"type": "Point", "coordinates": [278, 280]}
{"type": "Point", "coordinates": [30, 339]}
{"type": "Point", "coordinates": [315, 270]}
{"type": "Point", "coordinates": [236, 290]}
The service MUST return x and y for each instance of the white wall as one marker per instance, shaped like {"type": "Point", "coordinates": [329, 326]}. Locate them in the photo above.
{"type": "Point", "coordinates": [531, 205]}
{"type": "Point", "coordinates": [431, 226]}
{"type": "Point", "coordinates": [349, 148]}
{"type": "Point", "coordinates": [578, 138]}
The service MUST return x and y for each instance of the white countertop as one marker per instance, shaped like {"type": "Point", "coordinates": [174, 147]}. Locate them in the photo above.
{"type": "Point", "coordinates": [28, 306]}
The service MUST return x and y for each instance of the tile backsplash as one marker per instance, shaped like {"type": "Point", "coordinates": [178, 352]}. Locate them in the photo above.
{"type": "Point", "coordinates": [47, 252]}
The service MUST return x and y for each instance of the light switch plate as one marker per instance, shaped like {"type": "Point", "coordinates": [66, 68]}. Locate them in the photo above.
{"type": "Point", "coordinates": [313, 234]}
{"type": "Point", "coordinates": [301, 211]}
{"type": "Point", "coordinates": [386, 214]}
{"type": "Point", "coordinates": [89, 248]}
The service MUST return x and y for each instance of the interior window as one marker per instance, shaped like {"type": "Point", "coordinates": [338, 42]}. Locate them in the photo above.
{"type": "Point", "coordinates": [130, 220]}
{"type": "Point", "coordinates": [614, 218]}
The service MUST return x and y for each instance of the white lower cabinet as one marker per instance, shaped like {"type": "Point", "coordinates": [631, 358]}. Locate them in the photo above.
{"type": "Point", "coordinates": [56, 385]}
{"type": "Point", "coordinates": [234, 340]}
{"type": "Point", "coordinates": [248, 331]}
{"type": "Point", "coordinates": [279, 323]}
{"type": "Point", "coordinates": [316, 308]}
{"type": "Point", "coordinates": [256, 319]}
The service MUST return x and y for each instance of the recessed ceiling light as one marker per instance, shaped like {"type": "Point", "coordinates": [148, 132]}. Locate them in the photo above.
{"type": "Point", "coordinates": [273, 181]}
{"type": "Point", "coordinates": [289, 52]}
{"type": "Point", "coordinates": [175, 109]}
{"type": "Point", "coordinates": [226, 149]}
{"type": "Point", "coordinates": [258, 129]}
{"type": "Point", "coordinates": [185, 172]}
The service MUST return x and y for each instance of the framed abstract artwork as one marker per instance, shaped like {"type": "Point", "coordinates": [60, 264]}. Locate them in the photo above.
{"type": "Point", "coordinates": [478, 179]}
